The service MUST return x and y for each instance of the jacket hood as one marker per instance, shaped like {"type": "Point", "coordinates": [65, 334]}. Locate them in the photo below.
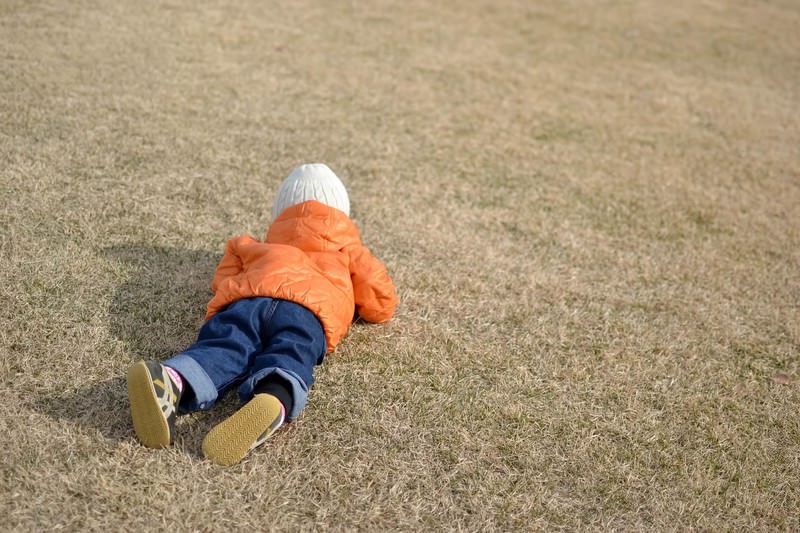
{"type": "Point", "coordinates": [313, 226]}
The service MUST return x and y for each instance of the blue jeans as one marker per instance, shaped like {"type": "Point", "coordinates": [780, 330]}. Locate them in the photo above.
{"type": "Point", "coordinates": [246, 342]}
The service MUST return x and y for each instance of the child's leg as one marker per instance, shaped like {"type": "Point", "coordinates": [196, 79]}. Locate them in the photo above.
{"type": "Point", "coordinates": [294, 345]}
{"type": "Point", "coordinates": [219, 359]}
{"type": "Point", "coordinates": [223, 353]}
{"type": "Point", "coordinates": [277, 386]}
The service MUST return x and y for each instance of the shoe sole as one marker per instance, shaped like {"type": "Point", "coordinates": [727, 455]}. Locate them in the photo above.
{"type": "Point", "coordinates": [231, 439]}
{"type": "Point", "coordinates": [149, 422]}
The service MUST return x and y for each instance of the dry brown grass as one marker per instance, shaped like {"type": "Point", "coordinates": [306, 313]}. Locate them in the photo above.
{"type": "Point", "coordinates": [591, 210]}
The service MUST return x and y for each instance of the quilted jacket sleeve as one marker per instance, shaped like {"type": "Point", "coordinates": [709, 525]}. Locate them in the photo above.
{"type": "Point", "coordinates": [374, 291]}
{"type": "Point", "coordinates": [230, 265]}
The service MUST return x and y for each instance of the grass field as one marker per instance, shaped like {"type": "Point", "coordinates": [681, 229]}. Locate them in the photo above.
{"type": "Point", "coordinates": [591, 211]}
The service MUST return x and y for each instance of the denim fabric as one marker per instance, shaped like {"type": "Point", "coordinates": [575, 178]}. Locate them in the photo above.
{"type": "Point", "coordinates": [246, 342]}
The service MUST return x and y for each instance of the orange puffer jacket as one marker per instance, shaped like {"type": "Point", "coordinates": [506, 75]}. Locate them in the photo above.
{"type": "Point", "coordinates": [312, 256]}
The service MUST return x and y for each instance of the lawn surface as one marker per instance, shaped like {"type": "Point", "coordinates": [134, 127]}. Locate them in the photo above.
{"type": "Point", "coordinates": [591, 211]}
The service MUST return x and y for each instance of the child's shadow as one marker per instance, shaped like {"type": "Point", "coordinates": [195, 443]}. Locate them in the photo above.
{"type": "Point", "coordinates": [158, 309]}
{"type": "Point", "coordinates": [155, 314]}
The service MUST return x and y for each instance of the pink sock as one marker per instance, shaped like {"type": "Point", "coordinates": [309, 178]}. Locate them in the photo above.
{"type": "Point", "coordinates": [175, 377]}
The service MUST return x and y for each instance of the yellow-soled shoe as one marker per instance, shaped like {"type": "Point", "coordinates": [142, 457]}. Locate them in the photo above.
{"type": "Point", "coordinates": [154, 401]}
{"type": "Point", "coordinates": [245, 430]}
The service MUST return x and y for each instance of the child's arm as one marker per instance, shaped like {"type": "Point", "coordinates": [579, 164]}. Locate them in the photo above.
{"type": "Point", "coordinates": [375, 296]}
{"type": "Point", "coordinates": [231, 263]}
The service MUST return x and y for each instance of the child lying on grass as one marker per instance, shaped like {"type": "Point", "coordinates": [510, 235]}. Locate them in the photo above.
{"type": "Point", "coordinates": [279, 307]}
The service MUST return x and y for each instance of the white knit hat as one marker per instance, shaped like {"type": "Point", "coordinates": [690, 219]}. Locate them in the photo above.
{"type": "Point", "coordinates": [311, 182]}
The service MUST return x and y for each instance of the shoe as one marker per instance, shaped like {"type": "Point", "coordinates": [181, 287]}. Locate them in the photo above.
{"type": "Point", "coordinates": [154, 400]}
{"type": "Point", "coordinates": [245, 430]}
